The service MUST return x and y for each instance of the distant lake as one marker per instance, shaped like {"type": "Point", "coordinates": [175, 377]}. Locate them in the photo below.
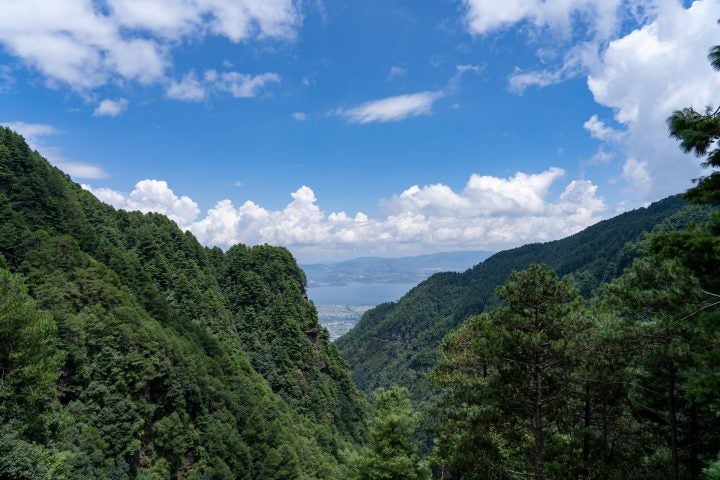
{"type": "Point", "coordinates": [358, 293]}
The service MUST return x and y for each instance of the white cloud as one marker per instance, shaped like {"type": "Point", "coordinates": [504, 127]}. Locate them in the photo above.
{"type": "Point", "coordinates": [152, 196]}
{"type": "Point", "coordinates": [646, 75]}
{"type": "Point", "coordinates": [601, 157]}
{"type": "Point", "coordinates": [34, 134]}
{"type": "Point", "coordinates": [642, 74]}
{"type": "Point", "coordinates": [188, 89]}
{"type": "Point", "coordinates": [599, 130]}
{"type": "Point", "coordinates": [485, 16]}
{"type": "Point", "coordinates": [521, 81]}
{"type": "Point", "coordinates": [574, 62]}
{"type": "Point", "coordinates": [241, 85]}
{"type": "Point", "coordinates": [489, 213]}
{"type": "Point", "coordinates": [32, 131]}
{"type": "Point", "coordinates": [107, 195]}
{"type": "Point", "coordinates": [300, 116]}
{"type": "Point", "coordinates": [469, 68]}
{"type": "Point", "coordinates": [110, 108]}
{"type": "Point", "coordinates": [193, 89]}
{"type": "Point", "coordinates": [636, 173]}
{"type": "Point", "coordinates": [391, 108]}
{"type": "Point", "coordinates": [80, 169]}
{"type": "Point", "coordinates": [85, 44]}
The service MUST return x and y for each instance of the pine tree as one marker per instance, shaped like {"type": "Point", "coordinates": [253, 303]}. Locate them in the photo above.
{"type": "Point", "coordinates": [392, 454]}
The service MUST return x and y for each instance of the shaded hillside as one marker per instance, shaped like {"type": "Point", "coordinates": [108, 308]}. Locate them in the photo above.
{"type": "Point", "coordinates": [395, 343]}
{"type": "Point", "coordinates": [128, 350]}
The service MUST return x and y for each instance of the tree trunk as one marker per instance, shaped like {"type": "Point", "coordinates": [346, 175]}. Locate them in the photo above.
{"type": "Point", "coordinates": [586, 435]}
{"type": "Point", "coordinates": [673, 422]}
{"type": "Point", "coordinates": [605, 455]}
{"type": "Point", "coordinates": [694, 464]}
{"type": "Point", "coordinates": [538, 419]}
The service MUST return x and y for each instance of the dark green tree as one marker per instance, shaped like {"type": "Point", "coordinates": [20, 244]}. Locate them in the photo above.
{"type": "Point", "coordinates": [665, 306]}
{"type": "Point", "coordinates": [517, 363]}
{"type": "Point", "coordinates": [392, 455]}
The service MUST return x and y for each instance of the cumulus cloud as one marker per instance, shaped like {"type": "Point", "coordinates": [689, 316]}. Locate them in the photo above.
{"type": "Point", "coordinates": [85, 44]}
{"type": "Point", "coordinates": [642, 74]}
{"type": "Point", "coordinates": [34, 133]}
{"type": "Point", "coordinates": [110, 108]}
{"type": "Point", "coordinates": [152, 196]}
{"type": "Point", "coordinates": [391, 109]}
{"type": "Point", "coordinates": [489, 213]}
{"type": "Point", "coordinates": [647, 74]}
{"type": "Point", "coordinates": [300, 116]}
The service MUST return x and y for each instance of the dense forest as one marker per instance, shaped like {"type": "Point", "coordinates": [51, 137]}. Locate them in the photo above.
{"type": "Point", "coordinates": [396, 343]}
{"type": "Point", "coordinates": [128, 350]}
{"type": "Point", "coordinates": [593, 357]}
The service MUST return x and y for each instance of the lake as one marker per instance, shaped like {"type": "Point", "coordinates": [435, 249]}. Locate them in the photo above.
{"type": "Point", "coordinates": [358, 293]}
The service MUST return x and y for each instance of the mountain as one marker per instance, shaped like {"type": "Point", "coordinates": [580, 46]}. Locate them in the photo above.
{"type": "Point", "coordinates": [128, 350]}
{"type": "Point", "coordinates": [391, 270]}
{"type": "Point", "coordinates": [395, 343]}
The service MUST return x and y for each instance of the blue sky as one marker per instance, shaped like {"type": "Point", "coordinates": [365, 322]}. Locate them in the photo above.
{"type": "Point", "coordinates": [341, 128]}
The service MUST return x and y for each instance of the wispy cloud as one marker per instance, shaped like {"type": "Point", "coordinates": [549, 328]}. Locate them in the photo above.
{"type": "Point", "coordinates": [391, 109]}
{"type": "Point", "coordinates": [192, 88]}
{"type": "Point", "coordinates": [34, 133]}
{"type": "Point", "coordinates": [396, 71]}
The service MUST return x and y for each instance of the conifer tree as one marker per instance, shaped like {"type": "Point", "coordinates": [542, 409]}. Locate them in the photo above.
{"type": "Point", "coordinates": [392, 454]}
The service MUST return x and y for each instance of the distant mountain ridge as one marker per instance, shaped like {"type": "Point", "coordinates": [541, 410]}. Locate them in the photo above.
{"type": "Point", "coordinates": [395, 343]}
{"type": "Point", "coordinates": [411, 269]}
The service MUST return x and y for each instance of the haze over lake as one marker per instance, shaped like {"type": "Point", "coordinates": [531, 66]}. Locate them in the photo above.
{"type": "Point", "coordinates": [358, 293]}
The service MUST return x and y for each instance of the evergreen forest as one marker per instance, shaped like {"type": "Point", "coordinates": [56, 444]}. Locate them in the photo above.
{"type": "Point", "coordinates": [128, 350]}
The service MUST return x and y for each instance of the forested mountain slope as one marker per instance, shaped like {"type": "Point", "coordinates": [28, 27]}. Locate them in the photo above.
{"type": "Point", "coordinates": [395, 343]}
{"type": "Point", "coordinates": [128, 350]}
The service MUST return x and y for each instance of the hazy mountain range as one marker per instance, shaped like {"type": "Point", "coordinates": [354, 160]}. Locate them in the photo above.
{"type": "Point", "coordinates": [391, 270]}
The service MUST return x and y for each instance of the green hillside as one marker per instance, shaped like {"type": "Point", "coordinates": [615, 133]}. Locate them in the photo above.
{"type": "Point", "coordinates": [128, 350]}
{"type": "Point", "coordinates": [396, 343]}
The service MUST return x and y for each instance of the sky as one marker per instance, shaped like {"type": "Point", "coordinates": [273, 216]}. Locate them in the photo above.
{"type": "Point", "coordinates": [369, 127]}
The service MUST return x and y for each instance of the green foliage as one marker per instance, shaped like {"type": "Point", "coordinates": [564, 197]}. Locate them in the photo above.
{"type": "Point", "coordinates": [392, 455]}
{"type": "Point", "coordinates": [396, 343]}
{"type": "Point", "coordinates": [29, 360]}
{"type": "Point", "coordinates": [132, 352]}
{"type": "Point", "coordinates": [622, 388]}
{"type": "Point", "coordinates": [509, 375]}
